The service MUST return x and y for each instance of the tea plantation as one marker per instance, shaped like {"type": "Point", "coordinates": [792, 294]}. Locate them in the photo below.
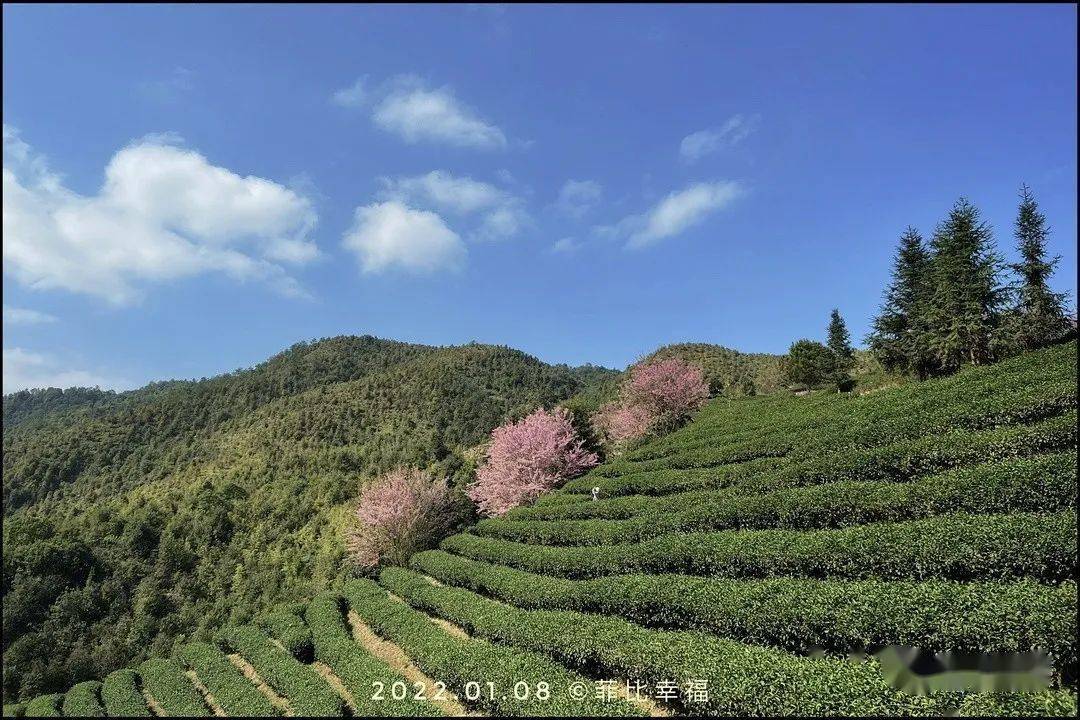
{"type": "Point", "coordinates": [750, 563]}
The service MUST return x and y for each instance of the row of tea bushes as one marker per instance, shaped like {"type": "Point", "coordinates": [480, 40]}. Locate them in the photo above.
{"type": "Point", "coordinates": [957, 547]}
{"type": "Point", "coordinates": [800, 614]}
{"type": "Point", "coordinates": [542, 687]}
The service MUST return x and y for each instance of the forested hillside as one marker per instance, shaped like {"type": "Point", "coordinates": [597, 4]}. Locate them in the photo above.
{"type": "Point", "coordinates": [135, 520]}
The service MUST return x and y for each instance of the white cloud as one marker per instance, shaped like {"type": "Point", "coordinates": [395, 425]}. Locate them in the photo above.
{"type": "Point", "coordinates": [389, 234]}
{"type": "Point", "coordinates": [674, 214]}
{"type": "Point", "coordinates": [417, 113]}
{"type": "Point", "coordinates": [565, 246]}
{"type": "Point", "coordinates": [577, 197]}
{"type": "Point", "coordinates": [504, 214]}
{"type": "Point", "coordinates": [163, 213]}
{"type": "Point", "coordinates": [353, 96]}
{"type": "Point", "coordinates": [24, 369]}
{"type": "Point", "coordinates": [697, 145]}
{"type": "Point", "coordinates": [25, 316]}
{"type": "Point", "coordinates": [456, 194]}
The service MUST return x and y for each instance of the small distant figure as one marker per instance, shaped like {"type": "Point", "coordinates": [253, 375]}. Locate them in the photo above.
{"type": "Point", "coordinates": [596, 493]}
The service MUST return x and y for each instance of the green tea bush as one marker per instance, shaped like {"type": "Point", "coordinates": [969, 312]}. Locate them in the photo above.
{"type": "Point", "coordinates": [800, 614]}
{"type": "Point", "coordinates": [1060, 703]}
{"type": "Point", "coordinates": [44, 706]}
{"type": "Point", "coordinates": [1041, 484]}
{"type": "Point", "coordinates": [958, 547]}
{"type": "Point", "coordinates": [14, 709]}
{"type": "Point", "coordinates": [120, 693]}
{"type": "Point", "coordinates": [898, 461]}
{"type": "Point", "coordinates": [308, 694]}
{"type": "Point", "coordinates": [225, 682]}
{"type": "Point", "coordinates": [84, 700]}
{"type": "Point", "coordinates": [289, 629]}
{"type": "Point", "coordinates": [742, 679]}
{"type": "Point", "coordinates": [357, 669]}
{"type": "Point", "coordinates": [165, 682]}
{"type": "Point", "coordinates": [461, 663]}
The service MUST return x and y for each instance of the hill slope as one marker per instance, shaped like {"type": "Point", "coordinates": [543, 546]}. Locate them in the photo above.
{"type": "Point", "coordinates": [747, 552]}
{"type": "Point", "coordinates": [135, 520]}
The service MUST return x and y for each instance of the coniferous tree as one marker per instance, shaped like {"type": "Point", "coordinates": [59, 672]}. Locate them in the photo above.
{"type": "Point", "coordinates": [840, 340]}
{"type": "Point", "coordinates": [963, 308]}
{"type": "Point", "coordinates": [1040, 316]}
{"type": "Point", "coordinates": [839, 343]}
{"type": "Point", "coordinates": [898, 338]}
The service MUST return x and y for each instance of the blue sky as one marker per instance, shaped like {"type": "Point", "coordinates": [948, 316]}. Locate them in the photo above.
{"type": "Point", "coordinates": [188, 190]}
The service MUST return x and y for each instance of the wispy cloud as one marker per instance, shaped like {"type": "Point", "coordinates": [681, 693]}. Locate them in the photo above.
{"type": "Point", "coordinates": [675, 214]}
{"type": "Point", "coordinates": [353, 96]}
{"type": "Point", "coordinates": [169, 90]}
{"type": "Point", "coordinates": [24, 369]}
{"type": "Point", "coordinates": [164, 212]}
{"type": "Point", "coordinates": [502, 213]}
{"type": "Point", "coordinates": [565, 246]}
{"type": "Point", "coordinates": [26, 316]}
{"type": "Point", "coordinates": [578, 197]}
{"type": "Point", "coordinates": [704, 142]}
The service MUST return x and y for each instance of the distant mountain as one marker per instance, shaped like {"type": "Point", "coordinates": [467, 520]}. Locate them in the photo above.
{"type": "Point", "coordinates": [133, 520]}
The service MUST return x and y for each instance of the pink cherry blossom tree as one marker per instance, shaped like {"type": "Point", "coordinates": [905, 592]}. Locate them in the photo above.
{"type": "Point", "coordinates": [527, 458]}
{"type": "Point", "coordinates": [621, 423]}
{"type": "Point", "coordinates": [656, 397]}
{"type": "Point", "coordinates": [672, 389]}
{"type": "Point", "coordinates": [404, 511]}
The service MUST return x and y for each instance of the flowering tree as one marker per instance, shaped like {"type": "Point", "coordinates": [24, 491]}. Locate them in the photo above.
{"type": "Point", "coordinates": [621, 423]}
{"type": "Point", "coordinates": [402, 512]}
{"type": "Point", "coordinates": [671, 389]}
{"type": "Point", "coordinates": [657, 396]}
{"type": "Point", "coordinates": [527, 458]}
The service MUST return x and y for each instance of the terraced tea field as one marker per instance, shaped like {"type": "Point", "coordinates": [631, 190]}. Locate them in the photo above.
{"type": "Point", "coordinates": [726, 569]}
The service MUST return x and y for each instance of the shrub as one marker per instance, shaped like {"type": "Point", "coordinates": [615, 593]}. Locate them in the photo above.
{"type": "Point", "coordinates": [404, 511]}
{"type": "Point", "coordinates": [288, 628]}
{"type": "Point", "coordinates": [121, 695]}
{"type": "Point", "coordinates": [45, 706]}
{"type": "Point", "coordinates": [528, 458]}
{"type": "Point", "coordinates": [82, 700]}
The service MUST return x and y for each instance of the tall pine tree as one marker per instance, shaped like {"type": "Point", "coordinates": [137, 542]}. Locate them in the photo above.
{"type": "Point", "coordinates": [897, 338]}
{"type": "Point", "coordinates": [839, 343]}
{"type": "Point", "coordinates": [1040, 316]}
{"type": "Point", "coordinates": [963, 308]}
{"type": "Point", "coordinates": [840, 340]}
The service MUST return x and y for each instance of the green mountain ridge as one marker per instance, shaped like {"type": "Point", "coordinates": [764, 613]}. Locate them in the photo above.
{"type": "Point", "coordinates": [136, 519]}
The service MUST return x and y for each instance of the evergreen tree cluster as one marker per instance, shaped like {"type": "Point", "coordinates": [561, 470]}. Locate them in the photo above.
{"type": "Point", "coordinates": [950, 302]}
{"type": "Point", "coordinates": [811, 364]}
